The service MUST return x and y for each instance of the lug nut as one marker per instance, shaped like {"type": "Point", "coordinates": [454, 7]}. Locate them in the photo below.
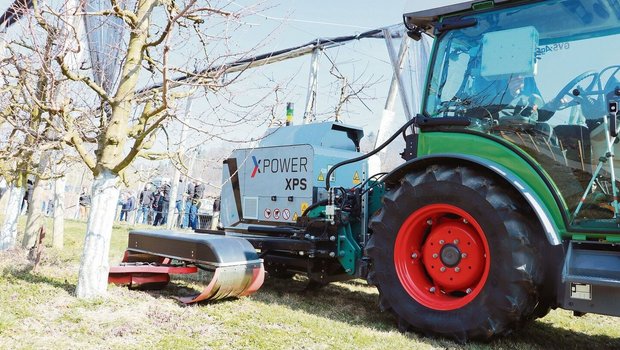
{"type": "Point", "coordinates": [429, 222]}
{"type": "Point", "coordinates": [442, 269]}
{"type": "Point", "coordinates": [465, 221]}
{"type": "Point", "coordinates": [332, 238]}
{"type": "Point", "coordinates": [456, 241]}
{"type": "Point", "coordinates": [435, 256]}
{"type": "Point", "coordinates": [332, 254]}
{"type": "Point", "coordinates": [414, 255]}
{"type": "Point", "coordinates": [432, 290]}
{"type": "Point", "coordinates": [457, 269]}
{"type": "Point", "coordinates": [464, 255]}
{"type": "Point", "coordinates": [468, 290]}
{"type": "Point", "coordinates": [441, 241]}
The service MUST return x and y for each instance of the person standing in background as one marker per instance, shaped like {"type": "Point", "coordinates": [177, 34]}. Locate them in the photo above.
{"type": "Point", "coordinates": [146, 201]}
{"type": "Point", "coordinates": [189, 196]}
{"type": "Point", "coordinates": [199, 190]}
{"type": "Point", "coordinates": [127, 206]}
{"type": "Point", "coordinates": [84, 204]}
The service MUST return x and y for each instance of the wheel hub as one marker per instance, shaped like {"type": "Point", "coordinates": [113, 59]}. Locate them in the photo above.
{"type": "Point", "coordinates": [457, 265]}
{"type": "Point", "coordinates": [441, 256]}
{"type": "Point", "coordinates": [450, 255]}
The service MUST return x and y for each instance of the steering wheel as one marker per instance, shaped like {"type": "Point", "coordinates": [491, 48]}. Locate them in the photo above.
{"type": "Point", "coordinates": [572, 94]}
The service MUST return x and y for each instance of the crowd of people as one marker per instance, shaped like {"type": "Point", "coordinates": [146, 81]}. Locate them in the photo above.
{"type": "Point", "coordinates": [154, 204]}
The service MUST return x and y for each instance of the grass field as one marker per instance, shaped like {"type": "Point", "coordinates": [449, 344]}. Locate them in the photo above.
{"type": "Point", "coordinates": [38, 311]}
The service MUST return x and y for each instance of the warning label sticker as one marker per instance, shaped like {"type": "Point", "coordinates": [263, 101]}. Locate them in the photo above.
{"type": "Point", "coordinates": [304, 206]}
{"type": "Point", "coordinates": [267, 213]}
{"type": "Point", "coordinates": [286, 214]}
{"type": "Point", "coordinates": [295, 216]}
{"type": "Point", "coordinates": [321, 176]}
{"type": "Point", "coordinates": [276, 213]}
{"type": "Point", "coordinates": [356, 178]}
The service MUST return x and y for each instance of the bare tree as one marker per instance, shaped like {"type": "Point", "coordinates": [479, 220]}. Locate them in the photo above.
{"type": "Point", "coordinates": [124, 123]}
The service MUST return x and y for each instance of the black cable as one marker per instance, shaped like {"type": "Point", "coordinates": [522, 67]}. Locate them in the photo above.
{"type": "Point", "coordinates": [371, 153]}
{"type": "Point", "coordinates": [367, 180]}
{"type": "Point", "coordinates": [314, 205]}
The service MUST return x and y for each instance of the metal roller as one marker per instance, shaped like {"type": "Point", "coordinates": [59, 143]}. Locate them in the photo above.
{"type": "Point", "coordinates": [152, 256]}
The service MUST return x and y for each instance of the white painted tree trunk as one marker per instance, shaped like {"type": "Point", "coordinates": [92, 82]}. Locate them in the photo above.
{"type": "Point", "coordinates": [59, 213]}
{"type": "Point", "coordinates": [94, 265]}
{"type": "Point", "coordinates": [35, 216]}
{"type": "Point", "coordinates": [8, 234]}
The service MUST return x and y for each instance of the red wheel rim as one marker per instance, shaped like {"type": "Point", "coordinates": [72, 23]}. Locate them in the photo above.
{"type": "Point", "coordinates": [441, 256]}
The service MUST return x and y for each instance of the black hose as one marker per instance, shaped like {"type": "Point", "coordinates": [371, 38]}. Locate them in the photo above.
{"type": "Point", "coordinates": [369, 154]}
{"type": "Point", "coordinates": [314, 205]}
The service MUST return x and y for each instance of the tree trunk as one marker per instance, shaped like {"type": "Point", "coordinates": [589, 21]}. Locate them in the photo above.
{"type": "Point", "coordinates": [8, 235]}
{"type": "Point", "coordinates": [59, 213]}
{"type": "Point", "coordinates": [94, 265]}
{"type": "Point", "coordinates": [35, 215]}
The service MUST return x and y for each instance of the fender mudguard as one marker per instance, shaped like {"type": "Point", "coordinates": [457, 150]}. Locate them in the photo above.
{"type": "Point", "coordinates": [542, 212]}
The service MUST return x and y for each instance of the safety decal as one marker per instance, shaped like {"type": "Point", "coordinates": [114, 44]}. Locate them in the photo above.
{"type": "Point", "coordinates": [286, 214]}
{"type": "Point", "coordinates": [267, 213]}
{"type": "Point", "coordinates": [276, 213]}
{"type": "Point", "coordinates": [295, 216]}
{"type": "Point", "coordinates": [333, 176]}
{"type": "Point", "coordinates": [356, 178]}
{"type": "Point", "coordinates": [321, 176]}
{"type": "Point", "coordinates": [304, 206]}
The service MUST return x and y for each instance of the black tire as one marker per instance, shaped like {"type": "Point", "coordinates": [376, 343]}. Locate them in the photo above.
{"type": "Point", "coordinates": [505, 299]}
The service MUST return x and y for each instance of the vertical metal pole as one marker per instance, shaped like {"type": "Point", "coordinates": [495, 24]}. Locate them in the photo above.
{"type": "Point", "coordinates": [395, 64]}
{"type": "Point", "coordinates": [177, 173]}
{"type": "Point", "coordinates": [610, 153]}
{"type": "Point", "coordinates": [312, 87]}
{"type": "Point", "coordinates": [388, 110]}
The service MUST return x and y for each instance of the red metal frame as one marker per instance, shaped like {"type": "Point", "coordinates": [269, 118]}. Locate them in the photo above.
{"type": "Point", "coordinates": [419, 264]}
{"type": "Point", "coordinates": [139, 275]}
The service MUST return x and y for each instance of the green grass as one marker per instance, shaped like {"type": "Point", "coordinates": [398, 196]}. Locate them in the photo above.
{"type": "Point", "coordinates": [38, 311]}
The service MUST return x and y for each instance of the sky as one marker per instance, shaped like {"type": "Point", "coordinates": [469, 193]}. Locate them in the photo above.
{"type": "Point", "coordinates": [295, 22]}
{"type": "Point", "coordinates": [289, 23]}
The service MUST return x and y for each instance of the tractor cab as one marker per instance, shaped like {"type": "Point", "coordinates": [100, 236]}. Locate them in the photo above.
{"type": "Point", "coordinates": [542, 76]}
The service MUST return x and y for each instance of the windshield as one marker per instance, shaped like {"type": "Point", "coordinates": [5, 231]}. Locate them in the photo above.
{"type": "Point", "coordinates": [540, 76]}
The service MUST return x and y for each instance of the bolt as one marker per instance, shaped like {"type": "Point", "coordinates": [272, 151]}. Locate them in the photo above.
{"type": "Point", "coordinates": [465, 221]}
{"type": "Point", "coordinates": [332, 254]}
{"type": "Point", "coordinates": [435, 256]}
{"type": "Point", "coordinates": [301, 253]}
{"type": "Point", "coordinates": [432, 290]}
{"type": "Point", "coordinates": [441, 241]}
{"type": "Point", "coordinates": [468, 290]}
{"type": "Point", "coordinates": [442, 269]}
{"type": "Point", "coordinates": [332, 238]}
{"type": "Point", "coordinates": [414, 255]}
{"type": "Point", "coordinates": [457, 269]}
{"type": "Point", "coordinates": [456, 241]}
{"type": "Point", "coordinates": [464, 255]}
{"type": "Point", "coordinates": [429, 222]}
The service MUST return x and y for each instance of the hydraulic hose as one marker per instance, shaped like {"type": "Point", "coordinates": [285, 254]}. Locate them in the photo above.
{"type": "Point", "coordinates": [369, 154]}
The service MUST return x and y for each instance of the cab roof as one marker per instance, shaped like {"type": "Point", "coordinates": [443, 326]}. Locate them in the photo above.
{"type": "Point", "coordinates": [423, 21]}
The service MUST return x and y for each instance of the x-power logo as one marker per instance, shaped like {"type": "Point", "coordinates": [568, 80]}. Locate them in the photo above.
{"type": "Point", "coordinates": [296, 167]}
{"type": "Point", "coordinates": [256, 166]}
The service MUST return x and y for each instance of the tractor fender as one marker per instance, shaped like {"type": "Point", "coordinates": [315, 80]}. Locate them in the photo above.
{"type": "Point", "coordinates": [532, 198]}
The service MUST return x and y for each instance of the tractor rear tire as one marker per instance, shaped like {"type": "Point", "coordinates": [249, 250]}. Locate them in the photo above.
{"type": "Point", "coordinates": [453, 255]}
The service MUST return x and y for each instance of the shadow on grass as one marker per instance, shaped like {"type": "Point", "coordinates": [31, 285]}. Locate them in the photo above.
{"type": "Point", "coordinates": [25, 274]}
{"type": "Point", "coordinates": [359, 308]}
{"type": "Point", "coordinates": [545, 336]}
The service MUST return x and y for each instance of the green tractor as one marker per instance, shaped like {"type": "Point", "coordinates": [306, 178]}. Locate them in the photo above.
{"type": "Point", "coordinates": [506, 205]}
